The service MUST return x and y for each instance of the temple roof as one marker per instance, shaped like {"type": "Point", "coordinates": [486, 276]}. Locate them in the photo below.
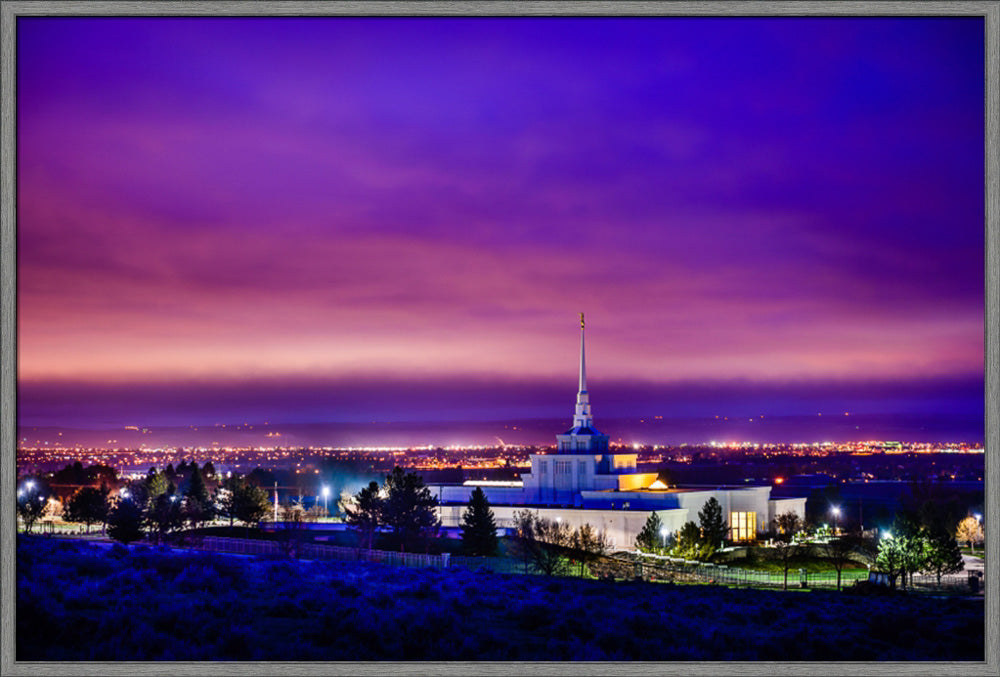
{"type": "Point", "coordinates": [582, 430]}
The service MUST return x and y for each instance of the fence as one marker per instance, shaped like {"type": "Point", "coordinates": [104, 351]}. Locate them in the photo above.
{"type": "Point", "coordinates": [687, 571]}
{"type": "Point", "coordinates": [250, 546]}
{"type": "Point", "coordinates": [499, 565]}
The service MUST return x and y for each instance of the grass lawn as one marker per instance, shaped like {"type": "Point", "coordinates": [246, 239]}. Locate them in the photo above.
{"type": "Point", "coordinates": [812, 565]}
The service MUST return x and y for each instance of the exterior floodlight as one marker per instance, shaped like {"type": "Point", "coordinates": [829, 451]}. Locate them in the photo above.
{"type": "Point", "coordinates": [30, 484]}
{"type": "Point", "coordinates": [886, 534]}
{"type": "Point", "coordinates": [123, 493]}
{"type": "Point", "coordinates": [835, 510]}
{"type": "Point", "coordinates": [979, 518]}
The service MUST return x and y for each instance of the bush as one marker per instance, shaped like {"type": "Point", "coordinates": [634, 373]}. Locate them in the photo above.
{"type": "Point", "coordinates": [85, 603]}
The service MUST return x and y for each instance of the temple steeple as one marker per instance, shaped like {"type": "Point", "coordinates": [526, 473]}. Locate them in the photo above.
{"type": "Point", "coordinates": [582, 417]}
{"type": "Point", "coordinates": [583, 436]}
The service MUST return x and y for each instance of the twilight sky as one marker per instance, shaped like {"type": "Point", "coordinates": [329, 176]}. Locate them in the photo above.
{"type": "Point", "coordinates": [400, 218]}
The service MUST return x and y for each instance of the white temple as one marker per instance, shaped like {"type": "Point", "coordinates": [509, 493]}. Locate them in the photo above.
{"type": "Point", "coordinates": [583, 481]}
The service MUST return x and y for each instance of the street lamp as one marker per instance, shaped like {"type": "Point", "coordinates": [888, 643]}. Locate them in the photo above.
{"type": "Point", "coordinates": [663, 537]}
{"type": "Point", "coordinates": [326, 495]}
{"type": "Point", "coordinates": [836, 519]}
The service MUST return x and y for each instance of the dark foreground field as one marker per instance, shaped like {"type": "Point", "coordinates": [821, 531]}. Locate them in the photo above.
{"type": "Point", "coordinates": [82, 602]}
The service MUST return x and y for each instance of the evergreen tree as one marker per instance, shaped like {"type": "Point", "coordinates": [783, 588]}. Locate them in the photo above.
{"type": "Point", "coordinates": [156, 484]}
{"type": "Point", "coordinates": [479, 529]}
{"type": "Point", "coordinates": [943, 554]}
{"type": "Point", "coordinates": [225, 497]}
{"type": "Point", "coordinates": [409, 507]}
{"type": "Point", "coordinates": [250, 504]}
{"type": "Point", "coordinates": [125, 521]}
{"type": "Point", "coordinates": [912, 542]}
{"type": "Point", "coordinates": [198, 507]}
{"type": "Point", "coordinates": [650, 539]}
{"type": "Point", "coordinates": [364, 511]}
{"type": "Point", "coordinates": [712, 523]}
{"type": "Point", "coordinates": [88, 505]}
{"type": "Point", "coordinates": [689, 541]}
{"type": "Point", "coordinates": [137, 492]}
{"type": "Point", "coordinates": [164, 515]}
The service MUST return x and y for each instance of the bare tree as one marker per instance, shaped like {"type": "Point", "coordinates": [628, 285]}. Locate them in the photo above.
{"type": "Point", "coordinates": [589, 544]}
{"type": "Point", "coordinates": [840, 552]}
{"type": "Point", "coordinates": [785, 552]}
{"type": "Point", "coordinates": [542, 542]}
{"type": "Point", "coordinates": [787, 525]}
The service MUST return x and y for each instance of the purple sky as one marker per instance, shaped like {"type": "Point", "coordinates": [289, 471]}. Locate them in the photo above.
{"type": "Point", "coordinates": [785, 212]}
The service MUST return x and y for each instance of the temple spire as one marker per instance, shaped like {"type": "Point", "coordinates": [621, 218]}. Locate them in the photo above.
{"type": "Point", "coordinates": [581, 417]}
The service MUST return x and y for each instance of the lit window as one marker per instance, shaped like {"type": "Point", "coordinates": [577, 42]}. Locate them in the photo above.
{"type": "Point", "coordinates": [743, 526]}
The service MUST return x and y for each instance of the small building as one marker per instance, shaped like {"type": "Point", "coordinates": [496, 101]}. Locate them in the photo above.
{"type": "Point", "coordinates": [584, 482]}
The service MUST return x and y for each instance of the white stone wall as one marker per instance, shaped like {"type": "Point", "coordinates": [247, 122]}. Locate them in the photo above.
{"type": "Point", "coordinates": [779, 506]}
{"type": "Point", "coordinates": [621, 526]}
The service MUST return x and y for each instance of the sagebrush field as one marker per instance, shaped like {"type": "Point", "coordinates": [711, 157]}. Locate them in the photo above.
{"type": "Point", "coordinates": [77, 601]}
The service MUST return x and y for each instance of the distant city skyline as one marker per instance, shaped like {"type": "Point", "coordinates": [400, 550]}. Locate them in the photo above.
{"type": "Point", "coordinates": [346, 219]}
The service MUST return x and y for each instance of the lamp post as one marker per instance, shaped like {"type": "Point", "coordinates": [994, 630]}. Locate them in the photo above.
{"type": "Point", "coordinates": [979, 520]}
{"type": "Point", "coordinates": [326, 495]}
{"type": "Point", "coordinates": [836, 519]}
{"type": "Point", "coordinates": [663, 538]}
